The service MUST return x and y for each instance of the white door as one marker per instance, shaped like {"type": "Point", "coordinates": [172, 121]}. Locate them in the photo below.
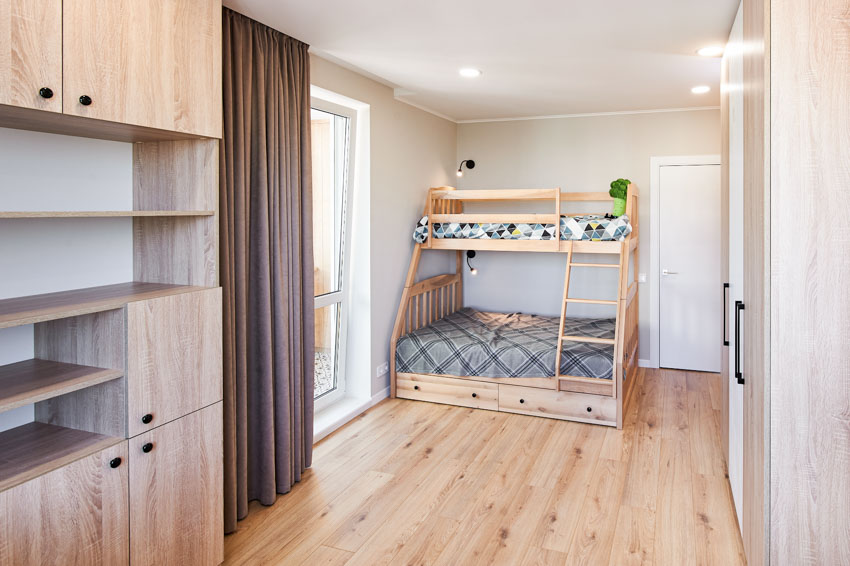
{"type": "Point", "coordinates": [690, 304]}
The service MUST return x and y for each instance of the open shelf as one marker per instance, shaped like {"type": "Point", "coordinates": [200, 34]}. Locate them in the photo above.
{"type": "Point", "coordinates": [31, 381]}
{"type": "Point", "coordinates": [102, 213]}
{"type": "Point", "coordinates": [50, 306]}
{"type": "Point", "coordinates": [34, 449]}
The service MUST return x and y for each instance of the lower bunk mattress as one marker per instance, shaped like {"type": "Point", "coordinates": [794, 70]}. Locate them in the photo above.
{"type": "Point", "coordinates": [470, 343]}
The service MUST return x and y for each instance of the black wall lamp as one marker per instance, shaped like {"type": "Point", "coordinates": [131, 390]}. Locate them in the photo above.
{"type": "Point", "coordinates": [469, 255]}
{"type": "Point", "coordinates": [470, 164]}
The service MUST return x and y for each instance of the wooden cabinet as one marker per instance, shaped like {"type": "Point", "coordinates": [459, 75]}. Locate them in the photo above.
{"type": "Point", "coordinates": [76, 514]}
{"type": "Point", "coordinates": [173, 357]}
{"type": "Point", "coordinates": [175, 492]}
{"type": "Point", "coordinates": [31, 54]}
{"type": "Point", "coordinates": [152, 63]}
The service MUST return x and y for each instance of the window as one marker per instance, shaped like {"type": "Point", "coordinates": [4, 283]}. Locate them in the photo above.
{"type": "Point", "coordinates": [332, 134]}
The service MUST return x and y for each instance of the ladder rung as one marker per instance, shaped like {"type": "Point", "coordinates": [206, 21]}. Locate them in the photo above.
{"type": "Point", "coordinates": [592, 302]}
{"type": "Point", "coordinates": [609, 265]}
{"type": "Point", "coordinates": [591, 339]}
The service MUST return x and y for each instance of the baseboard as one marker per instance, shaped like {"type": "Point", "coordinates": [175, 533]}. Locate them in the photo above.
{"type": "Point", "coordinates": [644, 363]}
{"type": "Point", "coordinates": [340, 413]}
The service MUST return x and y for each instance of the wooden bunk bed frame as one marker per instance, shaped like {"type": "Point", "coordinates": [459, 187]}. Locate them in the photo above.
{"type": "Point", "coordinates": [575, 398]}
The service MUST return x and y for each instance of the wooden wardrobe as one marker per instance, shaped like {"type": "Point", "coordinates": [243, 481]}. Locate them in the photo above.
{"type": "Point", "coordinates": [122, 463]}
{"type": "Point", "coordinates": [795, 322]}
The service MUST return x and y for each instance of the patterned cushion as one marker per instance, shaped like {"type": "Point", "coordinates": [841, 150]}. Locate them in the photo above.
{"type": "Point", "coordinates": [589, 227]}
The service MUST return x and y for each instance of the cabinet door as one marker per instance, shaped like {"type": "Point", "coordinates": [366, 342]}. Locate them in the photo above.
{"type": "Point", "coordinates": [154, 63]}
{"type": "Point", "coordinates": [173, 357]}
{"type": "Point", "coordinates": [76, 514]}
{"type": "Point", "coordinates": [31, 53]}
{"type": "Point", "coordinates": [176, 500]}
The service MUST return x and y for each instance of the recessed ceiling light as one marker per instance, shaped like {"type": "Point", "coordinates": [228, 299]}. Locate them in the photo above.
{"type": "Point", "coordinates": [711, 51]}
{"type": "Point", "coordinates": [469, 72]}
{"type": "Point", "coordinates": [700, 89]}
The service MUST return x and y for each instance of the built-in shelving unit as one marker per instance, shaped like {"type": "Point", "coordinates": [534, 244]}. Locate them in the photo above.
{"type": "Point", "coordinates": [33, 449]}
{"type": "Point", "coordinates": [102, 213]}
{"type": "Point", "coordinates": [50, 306]}
{"type": "Point", "coordinates": [31, 381]}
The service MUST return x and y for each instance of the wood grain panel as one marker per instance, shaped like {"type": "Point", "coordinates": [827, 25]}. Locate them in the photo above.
{"type": "Point", "coordinates": [558, 405]}
{"type": "Point", "coordinates": [175, 250]}
{"type": "Point", "coordinates": [176, 500]}
{"type": "Point", "coordinates": [437, 389]}
{"type": "Point", "coordinates": [176, 175]}
{"type": "Point", "coordinates": [155, 63]}
{"type": "Point", "coordinates": [31, 53]}
{"type": "Point", "coordinates": [756, 322]}
{"type": "Point", "coordinates": [174, 362]}
{"type": "Point", "coordinates": [50, 306]}
{"type": "Point", "coordinates": [810, 340]}
{"type": "Point", "coordinates": [75, 515]}
{"type": "Point", "coordinates": [102, 213]}
{"type": "Point", "coordinates": [35, 380]}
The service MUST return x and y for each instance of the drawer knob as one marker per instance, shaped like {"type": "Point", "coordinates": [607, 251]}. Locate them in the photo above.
{"type": "Point", "coordinates": [416, 387]}
{"type": "Point", "coordinates": [147, 419]}
{"type": "Point", "coordinates": [115, 462]}
{"type": "Point", "coordinates": [85, 100]}
{"type": "Point", "coordinates": [147, 447]}
{"type": "Point", "coordinates": [589, 410]}
{"type": "Point", "coordinates": [475, 394]}
{"type": "Point", "coordinates": [45, 92]}
{"type": "Point", "coordinates": [521, 401]}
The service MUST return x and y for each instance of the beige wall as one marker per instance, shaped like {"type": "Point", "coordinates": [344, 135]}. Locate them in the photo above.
{"type": "Point", "coordinates": [410, 151]}
{"type": "Point", "coordinates": [577, 154]}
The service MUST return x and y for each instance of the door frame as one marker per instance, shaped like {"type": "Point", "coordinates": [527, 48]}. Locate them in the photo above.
{"type": "Point", "coordinates": [655, 165]}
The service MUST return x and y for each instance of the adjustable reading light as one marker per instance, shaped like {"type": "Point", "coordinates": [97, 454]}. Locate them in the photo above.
{"type": "Point", "coordinates": [469, 255]}
{"type": "Point", "coordinates": [470, 164]}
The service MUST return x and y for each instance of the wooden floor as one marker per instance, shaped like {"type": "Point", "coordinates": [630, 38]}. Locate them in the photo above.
{"type": "Point", "coordinates": [410, 482]}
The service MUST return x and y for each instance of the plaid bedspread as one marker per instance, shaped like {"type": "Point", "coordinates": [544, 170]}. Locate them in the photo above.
{"type": "Point", "coordinates": [589, 227]}
{"type": "Point", "coordinates": [473, 343]}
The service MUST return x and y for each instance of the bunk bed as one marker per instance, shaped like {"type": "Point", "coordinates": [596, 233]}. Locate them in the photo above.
{"type": "Point", "coordinates": [570, 368]}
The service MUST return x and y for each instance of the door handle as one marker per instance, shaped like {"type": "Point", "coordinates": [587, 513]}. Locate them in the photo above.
{"type": "Point", "coordinates": [739, 375]}
{"type": "Point", "coordinates": [725, 296]}
{"type": "Point", "coordinates": [666, 272]}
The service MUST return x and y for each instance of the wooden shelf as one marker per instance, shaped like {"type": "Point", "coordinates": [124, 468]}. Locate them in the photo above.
{"type": "Point", "coordinates": [35, 380]}
{"type": "Point", "coordinates": [50, 306]}
{"type": "Point", "coordinates": [102, 213]}
{"type": "Point", "coordinates": [34, 449]}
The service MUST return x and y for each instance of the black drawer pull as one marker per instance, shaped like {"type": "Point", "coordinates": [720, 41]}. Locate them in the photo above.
{"type": "Point", "coordinates": [589, 409]}
{"type": "Point", "coordinates": [45, 92]}
{"type": "Point", "coordinates": [522, 401]}
{"type": "Point", "coordinates": [147, 447]}
{"type": "Point", "coordinates": [85, 100]}
{"type": "Point", "coordinates": [416, 387]}
{"type": "Point", "coordinates": [115, 462]}
{"type": "Point", "coordinates": [147, 419]}
{"type": "Point", "coordinates": [725, 297]}
{"type": "Point", "coordinates": [739, 374]}
{"type": "Point", "coordinates": [475, 394]}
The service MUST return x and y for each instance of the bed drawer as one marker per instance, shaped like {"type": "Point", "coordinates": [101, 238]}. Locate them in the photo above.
{"type": "Point", "coordinates": [558, 404]}
{"type": "Point", "coordinates": [438, 389]}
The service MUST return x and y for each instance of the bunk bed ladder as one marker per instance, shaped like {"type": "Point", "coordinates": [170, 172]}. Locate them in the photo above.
{"type": "Point", "coordinates": [567, 300]}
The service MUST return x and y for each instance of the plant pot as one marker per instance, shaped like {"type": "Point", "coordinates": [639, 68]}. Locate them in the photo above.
{"type": "Point", "coordinates": [619, 207]}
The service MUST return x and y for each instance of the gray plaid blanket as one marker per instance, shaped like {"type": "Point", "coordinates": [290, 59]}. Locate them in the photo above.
{"type": "Point", "coordinates": [486, 344]}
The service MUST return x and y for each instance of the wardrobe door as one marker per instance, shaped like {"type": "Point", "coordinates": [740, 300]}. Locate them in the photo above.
{"type": "Point", "coordinates": [154, 63]}
{"type": "Point", "coordinates": [31, 54]}
{"type": "Point", "coordinates": [176, 500]}
{"type": "Point", "coordinates": [173, 357]}
{"type": "Point", "coordinates": [76, 514]}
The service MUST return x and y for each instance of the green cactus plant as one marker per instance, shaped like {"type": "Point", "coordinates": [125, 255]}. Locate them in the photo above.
{"type": "Point", "coordinates": [619, 190]}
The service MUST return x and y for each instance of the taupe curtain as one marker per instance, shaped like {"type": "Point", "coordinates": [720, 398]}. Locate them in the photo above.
{"type": "Point", "coordinates": [266, 264]}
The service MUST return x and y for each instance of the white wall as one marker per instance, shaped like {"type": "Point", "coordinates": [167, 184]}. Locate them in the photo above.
{"type": "Point", "coordinates": [50, 172]}
{"type": "Point", "coordinates": [410, 151]}
{"type": "Point", "coordinates": [577, 154]}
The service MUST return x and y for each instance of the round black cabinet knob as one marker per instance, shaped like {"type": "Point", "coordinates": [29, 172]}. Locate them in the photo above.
{"type": "Point", "coordinates": [416, 387]}
{"type": "Point", "coordinates": [85, 100]}
{"type": "Point", "coordinates": [147, 419]}
{"type": "Point", "coordinates": [147, 447]}
{"type": "Point", "coordinates": [115, 462]}
{"type": "Point", "coordinates": [522, 401]}
{"type": "Point", "coordinates": [45, 92]}
{"type": "Point", "coordinates": [589, 409]}
{"type": "Point", "coordinates": [475, 394]}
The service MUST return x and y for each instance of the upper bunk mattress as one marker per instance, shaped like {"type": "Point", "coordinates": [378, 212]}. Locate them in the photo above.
{"type": "Point", "coordinates": [591, 227]}
{"type": "Point", "coordinates": [470, 343]}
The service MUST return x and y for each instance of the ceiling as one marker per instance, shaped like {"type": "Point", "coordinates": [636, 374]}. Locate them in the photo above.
{"type": "Point", "coordinates": [538, 57]}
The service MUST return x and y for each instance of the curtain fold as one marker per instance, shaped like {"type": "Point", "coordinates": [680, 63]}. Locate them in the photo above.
{"type": "Point", "coordinates": [266, 252]}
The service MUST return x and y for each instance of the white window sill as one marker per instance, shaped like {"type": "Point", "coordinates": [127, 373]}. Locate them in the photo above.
{"type": "Point", "coordinates": [336, 415]}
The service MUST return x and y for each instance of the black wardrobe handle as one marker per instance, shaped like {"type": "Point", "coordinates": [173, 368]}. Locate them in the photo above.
{"type": "Point", "coordinates": [45, 92]}
{"type": "Point", "coordinates": [85, 100]}
{"type": "Point", "coordinates": [739, 306]}
{"type": "Point", "coordinates": [725, 297]}
{"type": "Point", "coordinates": [147, 447]}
